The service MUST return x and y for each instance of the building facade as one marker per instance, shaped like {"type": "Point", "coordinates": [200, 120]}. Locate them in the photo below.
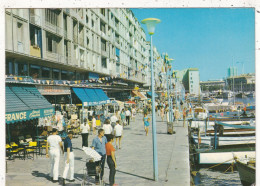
{"type": "Point", "coordinates": [75, 44]}
{"type": "Point", "coordinates": [190, 79]}
{"type": "Point", "coordinates": [242, 83]}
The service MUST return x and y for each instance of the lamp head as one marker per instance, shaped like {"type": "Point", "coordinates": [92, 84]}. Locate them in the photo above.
{"type": "Point", "coordinates": [150, 24]}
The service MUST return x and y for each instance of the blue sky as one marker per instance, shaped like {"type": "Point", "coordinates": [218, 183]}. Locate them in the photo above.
{"type": "Point", "coordinates": [206, 38]}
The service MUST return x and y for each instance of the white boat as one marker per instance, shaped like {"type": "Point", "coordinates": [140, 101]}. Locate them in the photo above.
{"type": "Point", "coordinates": [223, 140]}
{"type": "Point", "coordinates": [218, 156]}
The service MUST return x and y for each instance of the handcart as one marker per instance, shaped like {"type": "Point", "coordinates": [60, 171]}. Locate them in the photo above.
{"type": "Point", "coordinates": [93, 165]}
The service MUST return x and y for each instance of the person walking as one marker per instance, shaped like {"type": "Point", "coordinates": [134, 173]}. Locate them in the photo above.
{"type": "Point", "coordinates": [122, 115]}
{"type": "Point", "coordinates": [118, 131]}
{"type": "Point", "coordinates": [162, 113]}
{"type": "Point", "coordinates": [127, 114]}
{"type": "Point", "coordinates": [84, 132]}
{"type": "Point", "coordinates": [146, 124]}
{"type": "Point", "coordinates": [69, 159]}
{"type": "Point", "coordinates": [55, 143]}
{"type": "Point", "coordinates": [107, 127]}
{"type": "Point", "coordinates": [111, 160]}
{"type": "Point", "coordinates": [94, 125]}
{"type": "Point", "coordinates": [184, 116]}
{"type": "Point", "coordinates": [133, 113]}
{"type": "Point", "coordinates": [113, 120]}
{"type": "Point", "coordinates": [98, 144]}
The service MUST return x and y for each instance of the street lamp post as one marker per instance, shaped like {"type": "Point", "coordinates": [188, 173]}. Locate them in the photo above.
{"type": "Point", "coordinates": [150, 23]}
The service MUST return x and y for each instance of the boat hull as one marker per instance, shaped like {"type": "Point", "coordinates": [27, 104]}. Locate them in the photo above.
{"type": "Point", "coordinates": [246, 173]}
{"type": "Point", "coordinates": [207, 158]}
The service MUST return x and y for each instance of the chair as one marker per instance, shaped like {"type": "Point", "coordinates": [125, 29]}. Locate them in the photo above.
{"type": "Point", "coordinates": [12, 150]}
{"type": "Point", "coordinates": [32, 148]}
{"type": "Point", "coordinates": [44, 146]}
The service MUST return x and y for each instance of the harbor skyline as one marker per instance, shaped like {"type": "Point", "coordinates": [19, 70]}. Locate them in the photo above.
{"type": "Point", "coordinates": [210, 39]}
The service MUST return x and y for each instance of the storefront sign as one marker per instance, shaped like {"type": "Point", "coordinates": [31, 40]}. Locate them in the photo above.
{"type": "Point", "coordinates": [53, 90]}
{"type": "Point", "coordinates": [27, 115]}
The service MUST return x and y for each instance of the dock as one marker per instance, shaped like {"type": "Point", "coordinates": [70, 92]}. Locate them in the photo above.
{"type": "Point", "coordinates": [134, 159]}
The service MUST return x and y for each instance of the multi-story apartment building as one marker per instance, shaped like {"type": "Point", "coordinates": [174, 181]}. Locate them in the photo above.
{"type": "Point", "coordinates": [75, 44]}
{"type": "Point", "coordinates": [190, 79]}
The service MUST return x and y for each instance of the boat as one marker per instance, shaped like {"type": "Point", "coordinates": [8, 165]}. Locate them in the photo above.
{"type": "Point", "coordinates": [246, 171]}
{"type": "Point", "coordinates": [223, 156]}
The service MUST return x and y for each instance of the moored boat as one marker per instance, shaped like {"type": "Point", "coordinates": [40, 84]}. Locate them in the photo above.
{"type": "Point", "coordinates": [246, 171]}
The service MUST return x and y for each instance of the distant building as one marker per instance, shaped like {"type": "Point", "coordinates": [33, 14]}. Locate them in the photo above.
{"type": "Point", "coordinates": [244, 82]}
{"type": "Point", "coordinates": [212, 84]}
{"type": "Point", "coordinates": [232, 71]}
{"type": "Point", "coordinates": [190, 78]}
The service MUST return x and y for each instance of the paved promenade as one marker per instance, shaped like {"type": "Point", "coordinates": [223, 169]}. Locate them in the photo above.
{"type": "Point", "coordinates": [134, 160]}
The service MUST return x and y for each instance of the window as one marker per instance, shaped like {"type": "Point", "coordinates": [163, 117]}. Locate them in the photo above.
{"type": "Point", "coordinates": [34, 36]}
{"type": "Point", "coordinates": [103, 27]}
{"type": "Point", "coordinates": [52, 43]}
{"type": "Point", "coordinates": [104, 62]}
{"type": "Point", "coordinates": [103, 11]}
{"type": "Point", "coordinates": [103, 45]}
{"type": "Point", "coordinates": [64, 75]}
{"type": "Point", "coordinates": [56, 74]}
{"type": "Point", "coordinates": [92, 22]}
{"type": "Point", "coordinates": [86, 19]}
{"type": "Point", "coordinates": [45, 72]}
{"type": "Point", "coordinates": [51, 16]}
{"type": "Point", "coordinates": [35, 71]}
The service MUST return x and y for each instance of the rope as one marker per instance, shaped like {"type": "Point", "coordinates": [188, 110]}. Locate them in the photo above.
{"type": "Point", "coordinates": [195, 172]}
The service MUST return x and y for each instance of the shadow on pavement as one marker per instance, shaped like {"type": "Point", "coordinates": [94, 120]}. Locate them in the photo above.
{"type": "Point", "coordinates": [40, 174]}
{"type": "Point", "coordinates": [134, 175]}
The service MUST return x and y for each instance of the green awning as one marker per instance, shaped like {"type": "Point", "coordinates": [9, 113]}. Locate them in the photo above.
{"type": "Point", "coordinates": [25, 102]}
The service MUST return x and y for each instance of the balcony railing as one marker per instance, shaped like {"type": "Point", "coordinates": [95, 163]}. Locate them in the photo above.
{"type": "Point", "coordinates": [54, 28]}
{"type": "Point", "coordinates": [35, 19]}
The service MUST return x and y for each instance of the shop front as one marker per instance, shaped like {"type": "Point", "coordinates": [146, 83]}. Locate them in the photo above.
{"type": "Point", "coordinates": [24, 106]}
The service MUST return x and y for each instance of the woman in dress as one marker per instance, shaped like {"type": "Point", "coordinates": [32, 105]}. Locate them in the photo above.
{"type": "Point", "coordinates": [162, 113]}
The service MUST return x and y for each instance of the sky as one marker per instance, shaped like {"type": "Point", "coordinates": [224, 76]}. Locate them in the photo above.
{"type": "Point", "coordinates": [210, 39]}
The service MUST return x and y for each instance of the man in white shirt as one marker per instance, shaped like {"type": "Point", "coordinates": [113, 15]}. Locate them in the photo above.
{"type": "Point", "coordinates": [128, 114]}
{"type": "Point", "coordinates": [113, 120]}
{"type": "Point", "coordinates": [55, 143]}
{"type": "Point", "coordinates": [118, 131]}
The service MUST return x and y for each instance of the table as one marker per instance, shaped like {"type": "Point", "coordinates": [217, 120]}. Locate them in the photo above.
{"type": "Point", "coordinates": [25, 145]}
{"type": "Point", "coordinates": [39, 145]}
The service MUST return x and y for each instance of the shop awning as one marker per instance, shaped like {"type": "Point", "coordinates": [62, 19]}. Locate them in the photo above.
{"type": "Point", "coordinates": [91, 97]}
{"type": "Point", "coordinates": [150, 94]}
{"type": "Point", "coordinates": [101, 94]}
{"type": "Point", "coordinates": [95, 100]}
{"type": "Point", "coordinates": [25, 102]}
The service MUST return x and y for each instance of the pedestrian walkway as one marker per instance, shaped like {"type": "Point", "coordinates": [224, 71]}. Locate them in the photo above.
{"type": "Point", "coordinates": [134, 159]}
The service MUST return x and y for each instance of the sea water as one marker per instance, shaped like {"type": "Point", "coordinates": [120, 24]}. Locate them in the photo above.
{"type": "Point", "coordinates": [215, 178]}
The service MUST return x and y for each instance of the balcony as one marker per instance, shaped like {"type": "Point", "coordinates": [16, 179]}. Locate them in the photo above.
{"type": "Point", "coordinates": [35, 19]}
{"type": "Point", "coordinates": [53, 28]}
{"type": "Point", "coordinates": [35, 51]}
{"type": "Point", "coordinates": [81, 40]}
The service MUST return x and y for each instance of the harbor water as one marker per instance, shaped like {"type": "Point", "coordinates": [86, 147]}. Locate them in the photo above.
{"type": "Point", "coordinates": [207, 176]}
{"type": "Point", "coordinates": [214, 177]}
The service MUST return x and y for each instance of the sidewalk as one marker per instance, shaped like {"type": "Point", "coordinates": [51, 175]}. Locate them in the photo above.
{"type": "Point", "coordinates": [134, 159]}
